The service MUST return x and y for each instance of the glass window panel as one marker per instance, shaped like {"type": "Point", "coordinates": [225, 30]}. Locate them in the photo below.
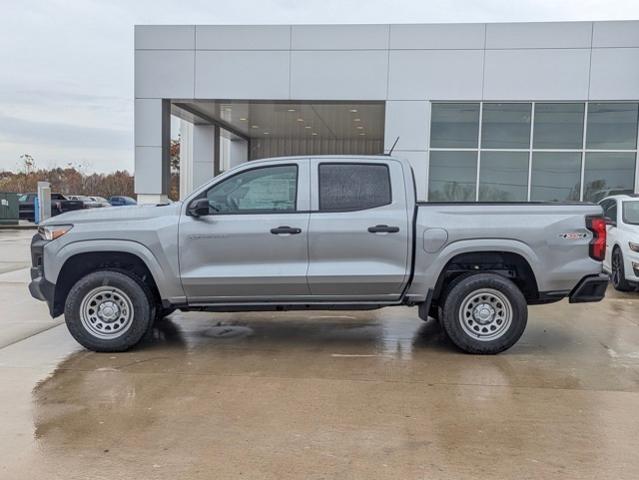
{"type": "Point", "coordinates": [506, 125]}
{"type": "Point", "coordinates": [260, 190]}
{"type": "Point", "coordinates": [631, 212]}
{"type": "Point", "coordinates": [353, 186]}
{"type": "Point", "coordinates": [612, 126]}
{"type": "Point", "coordinates": [452, 176]}
{"type": "Point", "coordinates": [556, 177]}
{"type": "Point", "coordinates": [608, 174]}
{"type": "Point", "coordinates": [454, 125]}
{"type": "Point", "coordinates": [503, 177]}
{"type": "Point", "coordinates": [558, 125]}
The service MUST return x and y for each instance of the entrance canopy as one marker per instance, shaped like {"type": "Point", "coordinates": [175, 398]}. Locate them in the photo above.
{"type": "Point", "coordinates": [282, 128]}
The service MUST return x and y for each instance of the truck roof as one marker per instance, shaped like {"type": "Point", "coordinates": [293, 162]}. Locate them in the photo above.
{"type": "Point", "coordinates": [348, 158]}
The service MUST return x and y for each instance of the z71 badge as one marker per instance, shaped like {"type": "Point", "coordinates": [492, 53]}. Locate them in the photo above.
{"type": "Point", "coordinates": [574, 235]}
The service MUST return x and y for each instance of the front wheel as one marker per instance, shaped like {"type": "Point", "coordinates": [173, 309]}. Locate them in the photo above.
{"type": "Point", "coordinates": [484, 313]}
{"type": "Point", "coordinates": [109, 311]}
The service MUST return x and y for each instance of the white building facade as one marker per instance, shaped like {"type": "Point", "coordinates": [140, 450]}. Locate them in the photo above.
{"type": "Point", "coordinates": [487, 112]}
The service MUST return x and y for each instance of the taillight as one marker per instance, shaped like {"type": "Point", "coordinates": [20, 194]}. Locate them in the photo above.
{"type": "Point", "coordinates": [597, 248]}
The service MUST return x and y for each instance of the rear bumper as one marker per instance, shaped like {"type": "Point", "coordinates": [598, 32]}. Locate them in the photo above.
{"type": "Point", "coordinates": [590, 289]}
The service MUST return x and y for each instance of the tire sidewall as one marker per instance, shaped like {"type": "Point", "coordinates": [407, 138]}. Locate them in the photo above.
{"type": "Point", "coordinates": [466, 286]}
{"type": "Point", "coordinates": [137, 292]}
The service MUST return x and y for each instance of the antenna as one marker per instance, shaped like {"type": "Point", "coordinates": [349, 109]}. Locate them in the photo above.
{"type": "Point", "coordinates": [390, 152]}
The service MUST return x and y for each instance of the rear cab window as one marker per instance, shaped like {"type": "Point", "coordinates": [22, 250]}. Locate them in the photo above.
{"type": "Point", "coordinates": [347, 187]}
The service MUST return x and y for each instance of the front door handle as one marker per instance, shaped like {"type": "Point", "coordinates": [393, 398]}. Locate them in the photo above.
{"type": "Point", "coordinates": [383, 229]}
{"type": "Point", "coordinates": [285, 230]}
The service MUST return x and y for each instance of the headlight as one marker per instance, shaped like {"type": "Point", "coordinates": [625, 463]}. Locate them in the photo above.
{"type": "Point", "coordinates": [634, 246]}
{"type": "Point", "coordinates": [54, 231]}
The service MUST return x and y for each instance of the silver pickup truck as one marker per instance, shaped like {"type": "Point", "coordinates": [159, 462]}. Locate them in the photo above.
{"type": "Point", "coordinates": [329, 232]}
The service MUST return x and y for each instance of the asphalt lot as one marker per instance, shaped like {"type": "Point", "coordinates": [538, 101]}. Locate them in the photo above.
{"type": "Point", "coordinates": [317, 395]}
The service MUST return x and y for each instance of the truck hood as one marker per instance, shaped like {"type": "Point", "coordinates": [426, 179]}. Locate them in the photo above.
{"type": "Point", "coordinates": [114, 214]}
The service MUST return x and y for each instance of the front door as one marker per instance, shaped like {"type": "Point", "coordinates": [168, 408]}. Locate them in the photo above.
{"type": "Point", "coordinates": [359, 230]}
{"type": "Point", "coordinates": [253, 244]}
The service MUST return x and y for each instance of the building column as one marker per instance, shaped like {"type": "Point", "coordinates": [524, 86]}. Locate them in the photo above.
{"type": "Point", "coordinates": [152, 155]}
{"type": "Point", "coordinates": [238, 152]}
{"type": "Point", "coordinates": [410, 121]}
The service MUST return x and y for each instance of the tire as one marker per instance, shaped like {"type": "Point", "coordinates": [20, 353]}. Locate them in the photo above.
{"type": "Point", "coordinates": [484, 313]}
{"type": "Point", "coordinates": [109, 311]}
{"type": "Point", "coordinates": [618, 273]}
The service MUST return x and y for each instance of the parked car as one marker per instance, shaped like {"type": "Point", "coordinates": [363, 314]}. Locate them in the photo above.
{"type": "Point", "coordinates": [100, 201]}
{"type": "Point", "coordinates": [59, 204]}
{"type": "Point", "coordinates": [331, 232]}
{"type": "Point", "coordinates": [88, 203]}
{"type": "Point", "coordinates": [622, 242]}
{"type": "Point", "coordinates": [121, 201]}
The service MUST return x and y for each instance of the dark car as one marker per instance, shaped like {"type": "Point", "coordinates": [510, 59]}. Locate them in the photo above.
{"type": "Point", "coordinates": [59, 204]}
{"type": "Point", "coordinates": [121, 201]}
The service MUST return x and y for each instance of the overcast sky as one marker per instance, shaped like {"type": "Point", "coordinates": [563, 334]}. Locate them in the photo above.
{"type": "Point", "coordinates": [66, 66]}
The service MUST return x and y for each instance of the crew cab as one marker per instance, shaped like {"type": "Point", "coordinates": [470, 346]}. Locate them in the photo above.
{"type": "Point", "coordinates": [329, 232]}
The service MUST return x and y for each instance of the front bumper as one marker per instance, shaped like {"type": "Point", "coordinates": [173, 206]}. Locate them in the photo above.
{"type": "Point", "coordinates": [40, 288]}
{"type": "Point", "coordinates": [590, 289]}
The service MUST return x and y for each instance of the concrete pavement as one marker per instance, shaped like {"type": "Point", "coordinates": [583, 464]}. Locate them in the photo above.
{"type": "Point", "coordinates": [22, 315]}
{"type": "Point", "coordinates": [325, 395]}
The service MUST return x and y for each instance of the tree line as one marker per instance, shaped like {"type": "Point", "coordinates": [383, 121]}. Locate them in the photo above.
{"type": "Point", "coordinates": [71, 180]}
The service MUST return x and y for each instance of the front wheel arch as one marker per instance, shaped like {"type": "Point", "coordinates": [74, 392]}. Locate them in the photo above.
{"type": "Point", "coordinates": [81, 264]}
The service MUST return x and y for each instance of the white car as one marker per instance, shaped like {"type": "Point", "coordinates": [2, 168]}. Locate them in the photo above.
{"type": "Point", "coordinates": [622, 241]}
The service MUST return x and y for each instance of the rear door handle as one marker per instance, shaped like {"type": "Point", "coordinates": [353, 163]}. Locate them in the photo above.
{"type": "Point", "coordinates": [383, 229]}
{"type": "Point", "coordinates": [285, 230]}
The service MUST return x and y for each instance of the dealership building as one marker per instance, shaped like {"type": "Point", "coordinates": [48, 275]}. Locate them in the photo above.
{"type": "Point", "coordinates": [487, 112]}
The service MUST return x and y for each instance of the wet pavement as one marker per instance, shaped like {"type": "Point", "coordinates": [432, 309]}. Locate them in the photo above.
{"type": "Point", "coordinates": [319, 395]}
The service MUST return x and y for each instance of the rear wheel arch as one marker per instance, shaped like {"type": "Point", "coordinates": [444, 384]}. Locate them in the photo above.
{"type": "Point", "coordinates": [508, 264]}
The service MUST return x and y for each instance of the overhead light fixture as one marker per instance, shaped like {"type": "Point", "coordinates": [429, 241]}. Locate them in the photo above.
{"type": "Point", "coordinates": [353, 110]}
{"type": "Point", "coordinates": [267, 133]}
{"type": "Point", "coordinates": [242, 119]}
{"type": "Point", "coordinates": [362, 134]}
{"type": "Point", "coordinates": [291, 110]}
{"type": "Point", "coordinates": [307, 126]}
{"type": "Point", "coordinates": [314, 133]}
{"type": "Point", "coordinates": [254, 126]}
{"type": "Point", "coordinates": [300, 119]}
{"type": "Point", "coordinates": [357, 119]}
{"type": "Point", "coordinates": [359, 127]}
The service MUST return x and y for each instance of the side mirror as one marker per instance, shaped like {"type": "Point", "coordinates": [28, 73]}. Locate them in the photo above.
{"type": "Point", "coordinates": [199, 207]}
{"type": "Point", "coordinates": [610, 221]}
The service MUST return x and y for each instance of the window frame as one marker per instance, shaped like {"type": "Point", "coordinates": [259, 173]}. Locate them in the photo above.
{"type": "Point", "coordinates": [582, 150]}
{"type": "Point", "coordinates": [319, 189]}
{"type": "Point", "coordinates": [204, 193]}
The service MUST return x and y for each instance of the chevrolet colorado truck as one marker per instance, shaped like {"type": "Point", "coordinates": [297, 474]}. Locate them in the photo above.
{"type": "Point", "coordinates": [323, 233]}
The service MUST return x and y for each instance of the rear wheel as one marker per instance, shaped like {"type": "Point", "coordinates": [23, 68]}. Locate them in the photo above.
{"type": "Point", "coordinates": [109, 311]}
{"type": "Point", "coordinates": [618, 275]}
{"type": "Point", "coordinates": [484, 313]}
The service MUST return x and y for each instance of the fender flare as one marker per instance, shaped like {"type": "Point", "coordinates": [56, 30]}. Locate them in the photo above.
{"type": "Point", "coordinates": [454, 249]}
{"type": "Point", "coordinates": [53, 269]}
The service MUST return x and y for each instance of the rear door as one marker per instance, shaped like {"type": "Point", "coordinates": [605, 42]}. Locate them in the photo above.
{"type": "Point", "coordinates": [359, 230]}
{"type": "Point", "coordinates": [253, 245]}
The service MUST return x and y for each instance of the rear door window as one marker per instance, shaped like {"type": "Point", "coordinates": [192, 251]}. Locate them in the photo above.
{"type": "Point", "coordinates": [353, 186]}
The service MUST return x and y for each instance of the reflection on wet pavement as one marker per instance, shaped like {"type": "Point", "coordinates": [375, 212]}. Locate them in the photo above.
{"type": "Point", "coordinates": [319, 395]}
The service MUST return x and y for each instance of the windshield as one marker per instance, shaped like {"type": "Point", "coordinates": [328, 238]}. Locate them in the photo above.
{"type": "Point", "coordinates": [631, 212]}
